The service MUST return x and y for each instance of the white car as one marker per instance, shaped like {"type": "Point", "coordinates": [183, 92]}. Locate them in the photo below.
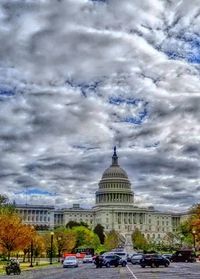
{"type": "Point", "coordinates": [88, 259]}
{"type": "Point", "coordinates": [70, 261]}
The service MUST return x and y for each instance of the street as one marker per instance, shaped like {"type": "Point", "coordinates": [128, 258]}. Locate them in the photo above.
{"type": "Point", "coordinates": [88, 271]}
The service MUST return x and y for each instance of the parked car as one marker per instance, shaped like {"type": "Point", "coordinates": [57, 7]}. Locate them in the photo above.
{"type": "Point", "coordinates": [168, 256]}
{"type": "Point", "coordinates": [113, 260]}
{"type": "Point", "coordinates": [135, 259]}
{"type": "Point", "coordinates": [154, 260]}
{"type": "Point", "coordinates": [70, 261]}
{"type": "Point", "coordinates": [129, 256]}
{"type": "Point", "coordinates": [88, 259]}
{"type": "Point", "coordinates": [122, 255]}
{"type": "Point", "coordinates": [184, 256]}
{"type": "Point", "coordinates": [13, 267]}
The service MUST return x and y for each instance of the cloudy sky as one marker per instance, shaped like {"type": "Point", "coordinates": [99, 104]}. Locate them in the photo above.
{"type": "Point", "coordinates": [78, 77]}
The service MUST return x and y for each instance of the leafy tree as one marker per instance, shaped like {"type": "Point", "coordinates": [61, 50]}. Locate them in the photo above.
{"type": "Point", "coordinates": [47, 244]}
{"type": "Point", "coordinates": [139, 241]}
{"type": "Point", "coordinates": [99, 230]}
{"type": "Point", "coordinates": [72, 224]}
{"type": "Point", "coordinates": [66, 239]}
{"type": "Point", "coordinates": [195, 221]}
{"type": "Point", "coordinates": [86, 238]}
{"type": "Point", "coordinates": [14, 235]}
{"type": "Point", "coordinates": [5, 206]}
{"type": "Point", "coordinates": [112, 240]}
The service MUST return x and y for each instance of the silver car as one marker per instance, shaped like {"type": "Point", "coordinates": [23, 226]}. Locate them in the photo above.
{"type": "Point", "coordinates": [70, 261]}
{"type": "Point", "coordinates": [88, 259]}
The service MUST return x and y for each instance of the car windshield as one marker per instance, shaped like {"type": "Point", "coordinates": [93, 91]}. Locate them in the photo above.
{"type": "Point", "coordinates": [70, 258]}
{"type": "Point", "coordinates": [137, 257]}
{"type": "Point", "coordinates": [121, 254]}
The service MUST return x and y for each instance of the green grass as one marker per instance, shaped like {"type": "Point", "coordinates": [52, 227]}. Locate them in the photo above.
{"type": "Point", "coordinates": [26, 266]}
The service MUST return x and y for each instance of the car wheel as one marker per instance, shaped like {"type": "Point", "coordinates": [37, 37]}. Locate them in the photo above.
{"type": "Point", "coordinates": [142, 265]}
{"type": "Point", "coordinates": [153, 265]}
{"type": "Point", "coordinates": [107, 265]}
{"type": "Point", "coordinates": [124, 264]}
{"type": "Point", "coordinates": [166, 264]}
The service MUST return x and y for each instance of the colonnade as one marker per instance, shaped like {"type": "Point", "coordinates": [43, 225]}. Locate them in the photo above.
{"type": "Point", "coordinates": [114, 197]}
{"type": "Point", "coordinates": [129, 218]}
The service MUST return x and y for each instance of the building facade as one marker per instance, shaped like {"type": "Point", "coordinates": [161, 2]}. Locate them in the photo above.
{"type": "Point", "coordinates": [114, 209]}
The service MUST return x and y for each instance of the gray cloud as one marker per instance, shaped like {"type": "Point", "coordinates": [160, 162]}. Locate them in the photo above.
{"type": "Point", "coordinates": [62, 62]}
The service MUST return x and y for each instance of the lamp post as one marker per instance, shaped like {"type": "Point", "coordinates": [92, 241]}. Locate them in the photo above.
{"type": "Point", "coordinates": [31, 264]}
{"type": "Point", "coordinates": [51, 247]}
{"type": "Point", "coordinates": [194, 239]}
{"type": "Point", "coordinates": [59, 247]}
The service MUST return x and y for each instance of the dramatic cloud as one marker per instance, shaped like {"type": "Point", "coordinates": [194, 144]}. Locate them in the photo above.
{"type": "Point", "coordinates": [80, 76]}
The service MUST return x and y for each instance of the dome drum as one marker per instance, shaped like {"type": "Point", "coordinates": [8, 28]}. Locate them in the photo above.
{"type": "Point", "coordinates": [114, 198]}
{"type": "Point", "coordinates": [114, 186]}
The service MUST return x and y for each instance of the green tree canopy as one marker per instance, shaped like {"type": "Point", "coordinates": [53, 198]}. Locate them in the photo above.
{"type": "Point", "coordinates": [65, 239]}
{"type": "Point", "coordinates": [112, 240]}
{"type": "Point", "coordinates": [5, 206]}
{"type": "Point", "coordinates": [139, 241]}
{"type": "Point", "coordinates": [85, 237]}
{"type": "Point", "coordinates": [72, 224]}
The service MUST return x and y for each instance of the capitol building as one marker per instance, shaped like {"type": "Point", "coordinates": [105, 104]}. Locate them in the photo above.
{"type": "Point", "coordinates": [114, 209]}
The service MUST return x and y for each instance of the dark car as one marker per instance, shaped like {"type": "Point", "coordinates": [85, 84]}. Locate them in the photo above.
{"type": "Point", "coordinates": [154, 260]}
{"type": "Point", "coordinates": [135, 259]}
{"type": "Point", "coordinates": [184, 256]}
{"type": "Point", "coordinates": [13, 267]}
{"type": "Point", "coordinates": [113, 260]}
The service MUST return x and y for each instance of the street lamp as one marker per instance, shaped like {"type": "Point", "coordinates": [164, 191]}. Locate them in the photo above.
{"type": "Point", "coordinates": [59, 247]}
{"type": "Point", "coordinates": [31, 264]}
{"type": "Point", "coordinates": [194, 239]}
{"type": "Point", "coordinates": [51, 248]}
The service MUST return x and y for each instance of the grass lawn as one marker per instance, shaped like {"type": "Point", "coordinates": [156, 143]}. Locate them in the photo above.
{"type": "Point", "coordinates": [26, 266]}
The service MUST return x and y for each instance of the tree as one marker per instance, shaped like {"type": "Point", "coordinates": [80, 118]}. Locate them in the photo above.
{"type": "Point", "coordinates": [86, 238]}
{"type": "Point", "coordinates": [47, 244]}
{"type": "Point", "coordinates": [5, 206]}
{"type": "Point", "coordinates": [99, 230]}
{"type": "Point", "coordinates": [139, 241]}
{"type": "Point", "coordinates": [194, 221]}
{"type": "Point", "coordinates": [66, 239]}
{"type": "Point", "coordinates": [14, 235]}
{"type": "Point", "coordinates": [112, 240]}
{"type": "Point", "coordinates": [72, 224]}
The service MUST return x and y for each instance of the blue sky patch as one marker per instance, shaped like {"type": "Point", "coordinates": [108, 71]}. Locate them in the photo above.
{"type": "Point", "coordinates": [6, 93]}
{"type": "Point", "coordinates": [188, 48]}
{"type": "Point", "coordinates": [35, 191]}
{"type": "Point", "coordinates": [140, 117]}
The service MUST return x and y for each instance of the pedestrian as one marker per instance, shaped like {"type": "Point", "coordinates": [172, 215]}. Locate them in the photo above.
{"type": "Point", "coordinates": [97, 261]}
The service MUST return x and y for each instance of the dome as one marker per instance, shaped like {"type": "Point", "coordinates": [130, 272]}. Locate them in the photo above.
{"type": "Point", "coordinates": [114, 186]}
{"type": "Point", "coordinates": [114, 171]}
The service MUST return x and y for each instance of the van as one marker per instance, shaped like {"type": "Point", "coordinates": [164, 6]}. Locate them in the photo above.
{"type": "Point", "coordinates": [184, 256]}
